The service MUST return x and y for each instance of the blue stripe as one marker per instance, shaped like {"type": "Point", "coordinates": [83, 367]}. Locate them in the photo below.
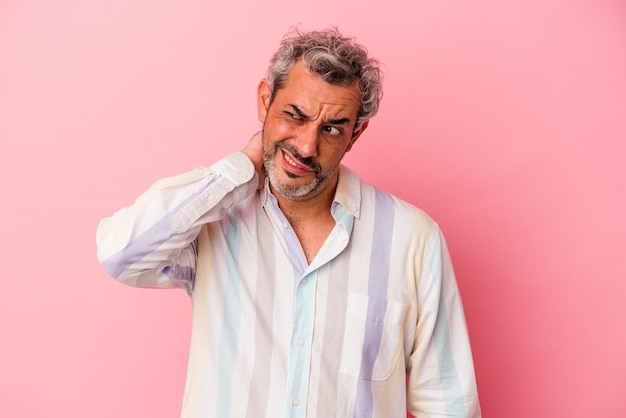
{"type": "Point", "coordinates": [449, 377]}
{"type": "Point", "coordinates": [140, 247]}
{"type": "Point", "coordinates": [294, 248]}
{"type": "Point", "coordinates": [299, 357]}
{"type": "Point", "coordinates": [377, 304]}
{"type": "Point", "coordinates": [186, 276]}
{"type": "Point", "coordinates": [232, 318]}
{"type": "Point", "coordinates": [183, 273]}
{"type": "Point", "coordinates": [147, 242]}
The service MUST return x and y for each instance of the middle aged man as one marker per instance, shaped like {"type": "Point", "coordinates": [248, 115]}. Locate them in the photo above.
{"type": "Point", "coordinates": [314, 294]}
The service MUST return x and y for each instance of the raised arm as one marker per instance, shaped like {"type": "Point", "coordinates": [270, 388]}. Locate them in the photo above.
{"type": "Point", "coordinates": [152, 242]}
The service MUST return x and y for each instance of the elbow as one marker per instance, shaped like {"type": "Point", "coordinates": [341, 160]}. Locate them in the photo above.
{"type": "Point", "coordinates": [109, 264]}
{"type": "Point", "coordinates": [111, 260]}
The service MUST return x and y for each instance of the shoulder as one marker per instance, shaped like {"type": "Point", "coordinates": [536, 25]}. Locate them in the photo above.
{"type": "Point", "coordinates": [393, 210]}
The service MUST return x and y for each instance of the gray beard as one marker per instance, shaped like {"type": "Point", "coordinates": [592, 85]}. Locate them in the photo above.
{"type": "Point", "coordinates": [291, 191]}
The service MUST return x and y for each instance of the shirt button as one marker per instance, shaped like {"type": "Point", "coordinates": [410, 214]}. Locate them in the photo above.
{"type": "Point", "coordinates": [296, 402]}
{"type": "Point", "coordinates": [285, 225]}
{"type": "Point", "coordinates": [304, 281]}
{"type": "Point", "coordinates": [300, 342]}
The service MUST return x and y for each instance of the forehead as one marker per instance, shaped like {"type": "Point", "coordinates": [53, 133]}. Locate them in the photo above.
{"type": "Point", "coordinates": [313, 94]}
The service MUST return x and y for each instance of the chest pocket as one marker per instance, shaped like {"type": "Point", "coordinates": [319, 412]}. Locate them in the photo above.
{"type": "Point", "coordinates": [372, 344]}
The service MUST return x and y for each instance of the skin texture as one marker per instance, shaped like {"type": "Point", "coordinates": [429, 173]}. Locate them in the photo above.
{"type": "Point", "coordinates": [307, 130]}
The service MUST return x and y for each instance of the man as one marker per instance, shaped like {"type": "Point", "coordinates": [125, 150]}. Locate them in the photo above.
{"type": "Point", "coordinates": [314, 294]}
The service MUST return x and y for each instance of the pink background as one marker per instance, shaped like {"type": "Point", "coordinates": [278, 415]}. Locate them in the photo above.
{"type": "Point", "coordinates": [505, 120]}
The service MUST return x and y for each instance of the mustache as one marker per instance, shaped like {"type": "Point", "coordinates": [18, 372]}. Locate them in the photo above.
{"type": "Point", "coordinates": [307, 161]}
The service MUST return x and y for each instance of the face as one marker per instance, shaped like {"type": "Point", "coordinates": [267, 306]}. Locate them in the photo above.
{"type": "Point", "coordinates": [307, 130]}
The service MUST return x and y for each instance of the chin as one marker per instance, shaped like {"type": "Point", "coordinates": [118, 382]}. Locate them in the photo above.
{"type": "Point", "coordinates": [294, 192]}
{"type": "Point", "coordinates": [288, 188]}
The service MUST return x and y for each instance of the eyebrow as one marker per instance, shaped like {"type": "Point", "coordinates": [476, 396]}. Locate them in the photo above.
{"type": "Point", "coordinates": [302, 115]}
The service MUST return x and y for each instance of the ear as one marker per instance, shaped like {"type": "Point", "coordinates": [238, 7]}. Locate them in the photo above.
{"type": "Point", "coordinates": [264, 94]}
{"type": "Point", "coordinates": [357, 134]}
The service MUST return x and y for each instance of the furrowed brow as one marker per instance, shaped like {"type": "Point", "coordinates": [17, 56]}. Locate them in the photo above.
{"type": "Point", "coordinates": [304, 116]}
{"type": "Point", "coordinates": [299, 112]}
{"type": "Point", "coordinates": [341, 121]}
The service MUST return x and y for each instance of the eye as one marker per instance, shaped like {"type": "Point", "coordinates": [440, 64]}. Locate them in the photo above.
{"type": "Point", "coordinates": [332, 130]}
{"type": "Point", "coordinates": [292, 115]}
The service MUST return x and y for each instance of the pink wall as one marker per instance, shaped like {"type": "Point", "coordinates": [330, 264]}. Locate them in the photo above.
{"type": "Point", "coordinates": [505, 120]}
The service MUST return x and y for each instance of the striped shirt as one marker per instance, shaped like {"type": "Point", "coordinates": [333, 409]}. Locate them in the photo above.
{"type": "Point", "coordinates": [372, 327]}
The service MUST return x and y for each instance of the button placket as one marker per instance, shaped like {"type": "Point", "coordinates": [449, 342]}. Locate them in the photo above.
{"type": "Point", "coordinates": [300, 357]}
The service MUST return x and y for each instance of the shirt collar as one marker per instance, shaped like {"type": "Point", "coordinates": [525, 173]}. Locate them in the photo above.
{"type": "Point", "coordinates": [265, 191]}
{"type": "Point", "coordinates": [348, 192]}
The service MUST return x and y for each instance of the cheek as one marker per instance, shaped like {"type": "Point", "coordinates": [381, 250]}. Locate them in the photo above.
{"type": "Point", "coordinates": [282, 129]}
{"type": "Point", "coordinates": [273, 132]}
{"type": "Point", "coordinates": [333, 154]}
{"type": "Point", "coordinates": [277, 127]}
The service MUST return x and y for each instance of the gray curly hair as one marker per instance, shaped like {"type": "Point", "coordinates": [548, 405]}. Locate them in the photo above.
{"type": "Point", "coordinates": [336, 59]}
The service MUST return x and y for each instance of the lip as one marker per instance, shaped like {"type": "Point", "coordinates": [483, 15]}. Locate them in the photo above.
{"type": "Point", "coordinates": [292, 165]}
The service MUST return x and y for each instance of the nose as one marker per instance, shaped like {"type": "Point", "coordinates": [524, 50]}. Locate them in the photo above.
{"type": "Point", "coordinates": [308, 141]}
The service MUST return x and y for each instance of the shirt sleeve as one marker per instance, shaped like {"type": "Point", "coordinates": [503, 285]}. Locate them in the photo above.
{"type": "Point", "coordinates": [152, 243]}
{"type": "Point", "coordinates": [441, 380]}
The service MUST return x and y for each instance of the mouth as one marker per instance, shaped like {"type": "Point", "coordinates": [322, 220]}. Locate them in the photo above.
{"type": "Point", "coordinates": [294, 166]}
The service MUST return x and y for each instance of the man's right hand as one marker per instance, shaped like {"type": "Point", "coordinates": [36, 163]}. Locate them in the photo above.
{"type": "Point", "coordinates": [254, 151]}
